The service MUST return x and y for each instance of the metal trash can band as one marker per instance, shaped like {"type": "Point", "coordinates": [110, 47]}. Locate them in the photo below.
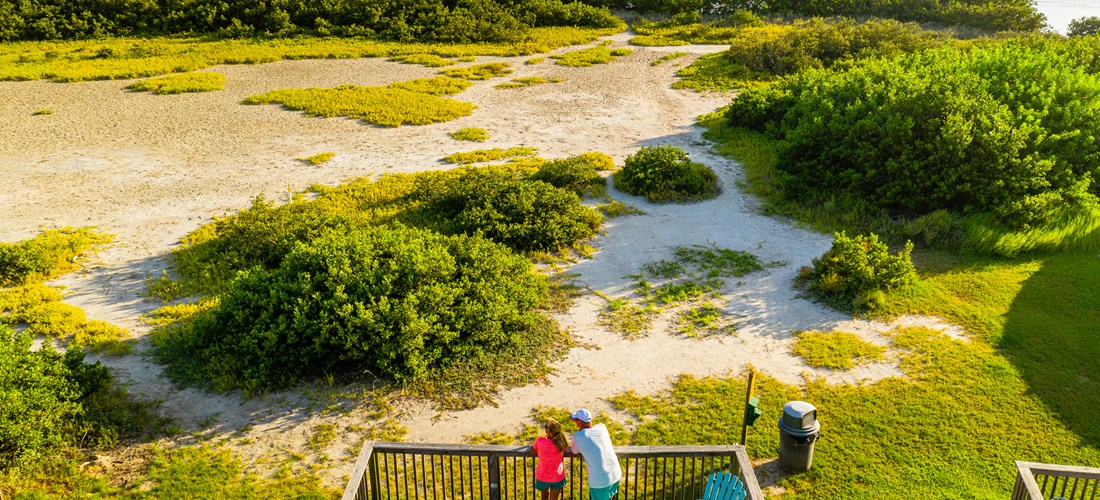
{"type": "Point", "coordinates": [798, 431]}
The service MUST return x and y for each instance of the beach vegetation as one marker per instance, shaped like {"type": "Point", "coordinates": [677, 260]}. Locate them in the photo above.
{"type": "Point", "coordinates": [471, 134]}
{"type": "Point", "coordinates": [487, 155]}
{"type": "Point", "coordinates": [1084, 26]}
{"type": "Point", "coordinates": [668, 57]}
{"type": "Point", "coordinates": [49, 254]}
{"type": "Point", "coordinates": [856, 272]}
{"type": "Point", "coordinates": [385, 106]}
{"type": "Point", "coordinates": [590, 56]}
{"type": "Point", "coordinates": [429, 60]}
{"type": "Point", "coordinates": [534, 60]}
{"type": "Point", "coordinates": [835, 350]}
{"type": "Point", "coordinates": [665, 174]}
{"type": "Point", "coordinates": [41, 112]}
{"type": "Point", "coordinates": [528, 81]}
{"type": "Point", "coordinates": [181, 83]}
{"type": "Point", "coordinates": [318, 158]}
{"type": "Point", "coordinates": [436, 85]}
{"type": "Point", "coordinates": [480, 71]}
{"type": "Point", "coordinates": [575, 174]}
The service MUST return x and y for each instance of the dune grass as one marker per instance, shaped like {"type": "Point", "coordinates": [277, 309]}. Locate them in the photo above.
{"type": "Point", "coordinates": [534, 60]}
{"type": "Point", "coordinates": [471, 134]}
{"type": "Point", "coordinates": [485, 155]}
{"type": "Point", "coordinates": [385, 106]}
{"type": "Point", "coordinates": [590, 56]}
{"type": "Point", "coordinates": [48, 255]}
{"type": "Point", "coordinates": [122, 58]}
{"type": "Point", "coordinates": [181, 83]}
{"type": "Point", "coordinates": [836, 350]}
{"type": "Point", "coordinates": [318, 158]}
{"type": "Point", "coordinates": [518, 83]}
{"type": "Point", "coordinates": [429, 60]}
{"type": "Point", "coordinates": [668, 57]}
{"type": "Point", "coordinates": [41, 112]}
{"type": "Point", "coordinates": [436, 85]}
{"type": "Point", "coordinates": [480, 71]}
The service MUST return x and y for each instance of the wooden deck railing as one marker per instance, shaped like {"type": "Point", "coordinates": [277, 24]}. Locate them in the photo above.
{"type": "Point", "coordinates": [1036, 481]}
{"type": "Point", "coordinates": [411, 471]}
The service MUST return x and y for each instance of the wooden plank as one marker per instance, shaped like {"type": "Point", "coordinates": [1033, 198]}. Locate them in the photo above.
{"type": "Point", "coordinates": [1023, 469]}
{"type": "Point", "coordinates": [1061, 470]}
{"type": "Point", "coordinates": [748, 476]}
{"type": "Point", "coordinates": [358, 475]}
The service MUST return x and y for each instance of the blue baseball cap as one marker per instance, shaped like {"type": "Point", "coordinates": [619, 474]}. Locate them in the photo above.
{"type": "Point", "coordinates": [583, 415]}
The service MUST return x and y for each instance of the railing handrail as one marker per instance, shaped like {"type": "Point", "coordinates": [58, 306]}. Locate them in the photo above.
{"type": "Point", "coordinates": [1027, 484]}
{"type": "Point", "coordinates": [371, 447]}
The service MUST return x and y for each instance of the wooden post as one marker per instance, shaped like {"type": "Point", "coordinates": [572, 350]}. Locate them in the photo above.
{"type": "Point", "coordinates": [494, 477]}
{"type": "Point", "coordinates": [748, 396]}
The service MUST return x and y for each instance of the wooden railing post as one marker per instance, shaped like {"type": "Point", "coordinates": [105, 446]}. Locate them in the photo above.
{"type": "Point", "coordinates": [494, 476]}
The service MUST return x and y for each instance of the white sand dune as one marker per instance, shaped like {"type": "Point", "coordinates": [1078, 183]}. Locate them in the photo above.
{"type": "Point", "coordinates": [152, 168]}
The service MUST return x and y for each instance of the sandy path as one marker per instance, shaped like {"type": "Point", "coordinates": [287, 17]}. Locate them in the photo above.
{"type": "Point", "coordinates": [152, 168]}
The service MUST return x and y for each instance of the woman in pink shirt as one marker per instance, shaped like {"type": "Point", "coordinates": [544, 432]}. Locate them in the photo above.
{"type": "Point", "coordinates": [550, 468]}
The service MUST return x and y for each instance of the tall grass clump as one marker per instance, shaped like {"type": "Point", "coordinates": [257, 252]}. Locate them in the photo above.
{"type": "Point", "coordinates": [518, 83]}
{"type": "Point", "coordinates": [429, 60]}
{"type": "Point", "coordinates": [181, 83]}
{"type": "Point", "coordinates": [480, 71]}
{"type": "Point", "coordinates": [388, 107]}
{"type": "Point", "coordinates": [665, 174]}
{"type": "Point", "coordinates": [319, 158]}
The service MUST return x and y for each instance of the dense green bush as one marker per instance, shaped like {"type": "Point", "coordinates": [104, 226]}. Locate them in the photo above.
{"type": "Point", "coordinates": [397, 302]}
{"type": "Point", "coordinates": [1084, 26]}
{"type": "Point", "coordinates": [821, 43]}
{"type": "Point", "coordinates": [950, 129]}
{"type": "Point", "coordinates": [402, 20]}
{"type": "Point", "coordinates": [576, 174]}
{"type": "Point", "coordinates": [856, 272]}
{"type": "Point", "coordinates": [50, 399]}
{"type": "Point", "coordinates": [664, 174]}
{"type": "Point", "coordinates": [524, 215]}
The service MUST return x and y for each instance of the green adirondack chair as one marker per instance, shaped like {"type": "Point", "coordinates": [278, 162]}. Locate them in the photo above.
{"type": "Point", "coordinates": [724, 486]}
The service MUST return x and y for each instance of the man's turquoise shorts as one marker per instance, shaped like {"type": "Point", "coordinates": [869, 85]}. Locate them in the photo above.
{"type": "Point", "coordinates": [604, 493]}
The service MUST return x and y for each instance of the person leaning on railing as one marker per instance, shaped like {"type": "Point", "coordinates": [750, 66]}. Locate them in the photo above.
{"type": "Point", "coordinates": [594, 443]}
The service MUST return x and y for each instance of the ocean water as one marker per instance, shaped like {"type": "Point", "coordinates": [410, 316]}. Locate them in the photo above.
{"type": "Point", "coordinates": [1060, 12]}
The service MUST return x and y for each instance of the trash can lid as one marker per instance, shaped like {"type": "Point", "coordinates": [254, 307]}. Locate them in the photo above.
{"type": "Point", "coordinates": [799, 417]}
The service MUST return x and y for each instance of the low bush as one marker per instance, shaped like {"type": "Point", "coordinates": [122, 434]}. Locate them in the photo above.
{"type": "Point", "coordinates": [39, 308]}
{"type": "Point", "coordinates": [1085, 26]}
{"type": "Point", "coordinates": [575, 174]}
{"type": "Point", "coordinates": [385, 106]}
{"type": "Point", "coordinates": [856, 272]}
{"type": "Point", "coordinates": [397, 302]}
{"type": "Point", "coordinates": [47, 255]}
{"type": "Point", "coordinates": [524, 215]}
{"type": "Point", "coordinates": [181, 83]}
{"type": "Point", "coordinates": [665, 174]}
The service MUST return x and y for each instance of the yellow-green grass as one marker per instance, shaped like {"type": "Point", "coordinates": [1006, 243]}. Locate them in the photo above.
{"type": "Point", "coordinates": [534, 60]}
{"type": "Point", "coordinates": [836, 350]}
{"type": "Point", "coordinates": [480, 71]}
{"type": "Point", "coordinates": [590, 56]}
{"type": "Point", "coordinates": [318, 158]}
{"type": "Point", "coordinates": [518, 83]}
{"type": "Point", "coordinates": [48, 255]}
{"type": "Point", "coordinates": [715, 72]}
{"type": "Point", "coordinates": [40, 309]}
{"type": "Point", "coordinates": [181, 83]}
{"type": "Point", "coordinates": [44, 111]}
{"type": "Point", "coordinates": [668, 34]}
{"type": "Point", "coordinates": [616, 208]}
{"type": "Point", "coordinates": [599, 161]}
{"type": "Point", "coordinates": [429, 60]}
{"type": "Point", "coordinates": [471, 134]}
{"type": "Point", "coordinates": [656, 41]}
{"type": "Point", "coordinates": [668, 57]}
{"type": "Point", "coordinates": [123, 58]}
{"type": "Point", "coordinates": [485, 155]}
{"type": "Point", "coordinates": [436, 85]}
{"type": "Point", "coordinates": [388, 107]}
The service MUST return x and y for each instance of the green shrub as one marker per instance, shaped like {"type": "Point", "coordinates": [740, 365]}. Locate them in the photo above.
{"type": "Point", "coordinates": [181, 83]}
{"type": "Point", "coordinates": [47, 255]}
{"type": "Point", "coordinates": [524, 215]}
{"type": "Point", "coordinates": [1084, 26]}
{"type": "Point", "coordinates": [945, 129]}
{"type": "Point", "coordinates": [599, 161]}
{"type": "Point", "coordinates": [396, 302]}
{"type": "Point", "coordinates": [575, 174]}
{"type": "Point", "coordinates": [470, 134]}
{"type": "Point", "coordinates": [664, 174]}
{"type": "Point", "coordinates": [854, 273]}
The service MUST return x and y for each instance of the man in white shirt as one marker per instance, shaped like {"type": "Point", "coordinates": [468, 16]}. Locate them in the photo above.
{"type": "Point", "coordinates": [594, 443]}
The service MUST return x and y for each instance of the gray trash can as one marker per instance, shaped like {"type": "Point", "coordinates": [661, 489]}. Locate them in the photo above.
{"type": "Point", "coordinates": [798, 430]}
